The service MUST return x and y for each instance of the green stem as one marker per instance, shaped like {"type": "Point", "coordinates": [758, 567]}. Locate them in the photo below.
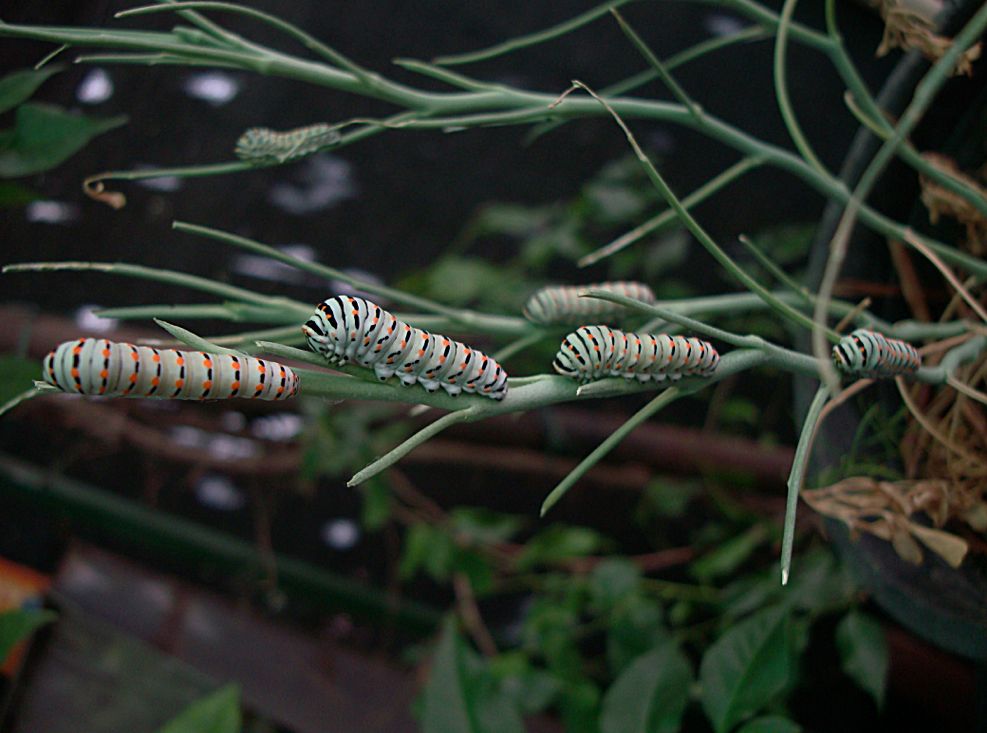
{"type": "Point", "coordinates": [776, 271]}
{"type": "Point", "coordinates": [13, 402]}
{"type": "Point", "coordinates": [800, 462]}
{"type": "Point", "coordinates": [613, 440]}
{"type": "Point", "coordinates": [194, 340]}
{"type": "Point", "coordinates": [781, 90]}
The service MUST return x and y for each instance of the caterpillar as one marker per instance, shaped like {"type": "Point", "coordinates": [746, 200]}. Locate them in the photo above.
{"type": "Point", "coordinates": [562, 304]}
{"type": "Point", "coordinates": [264, 146]}
{"type": "Point", "coordinates": [867, 353]}
{"type": "Point", "coordinates": [349, 329]}
{"type": "Point", "coordinates": [595, 352]}
{"type": "Point", "coordinates": [99, 367]}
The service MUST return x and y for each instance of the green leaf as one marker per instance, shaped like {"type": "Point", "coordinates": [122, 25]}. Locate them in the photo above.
{"type": "Point", "coordinates": [580, 705]}
{"type": "Point", "coordinates": [447, 707]}
{"type": "Point", "coordinates": [635, 627]}
{"type": "Point", "coordinates": [863, 650]}
{"type": "Point", "coordinates": [746, 668]}
{"type": "Point", "coordinates": [558, 542]}
{"type": "Point", "coordinates": [771, 724]}
{"type": "Point", "coordinates": [612, 580]}
{"type": "Point", "coordinates": [218, 712]}
{"type": "Point", "coordinates": [18, 375]}
{"type": "Point", "coordinates": [376, 509]}
{"type": "Point", "coordinates": [650, 696]}
{"type": "Point", "coordinates": [484, 525]}
{"type": "Point", "coordinates": [44, 136]}
{"type": "Point", "coordinates": [531, 689]}
{"type": "Point", "coordinates": [429, 548]}
{"type": "Point", "coordinates": [17, 624]}
{"type": "Point", "coordinates": [13, 195]}
{"type": "Point", "coordinates": [726, 558]}
{"type": "Point", "coordinates": [20, 85]}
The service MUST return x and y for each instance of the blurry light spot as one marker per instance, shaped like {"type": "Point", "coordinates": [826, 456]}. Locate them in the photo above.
{"type": "Point", "coordinates": [719, 24]}
{"type": "Point", "coordinates": [51, 212]}
{"type": "Point", "coordinates": [338, 286]}
{"type": "Point", "coordinates": [277, 427]}
{"type": "Point", "coordinates": [324, 182]}
{"type": "Point", "coordinates": [230, 447]}
{"type": "Point", "coordinates": [233, 421]}
{"type": "Point", "coordinates": [660, 141]}
{"type": "Point", "coordinates": [87, 320]}
{"type": "Point", "coordinates": [267, 269]}
{"type": "Point", "coordinates": [218, 492]}
{"type": "Point", "coordinates": [164, 183]}
{"type": "Point", "coordinates": [341, 533]}
{"type": "Point", "coordinates": [214, 87]}
{"type": "Point", "coordinates": [95, 87]}
{"type": "Point", "coordinates": [186, 436]}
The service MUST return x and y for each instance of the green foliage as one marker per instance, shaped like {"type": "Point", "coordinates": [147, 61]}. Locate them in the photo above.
{"type": "Point", "coordinates": [748, 667]}
{"type": "Point", "coordinates": [19, 623]}
{"type": "Point", "coordinates": [18, 86]}
{"type": "Point", "coordinates": [217, 712]}
{"type": "Point", "coordinates": [558, 542]}
{"type": "Point", "coordinates": [770, 724]}
{"type": "Point", "coordinates": [18, 375]}
{"type": "Point", "coordinates": [650, 695]}
{"type": "Point", "coordinates": [44, 136]}
{"type": "Point", "coordinates": [864, 652]}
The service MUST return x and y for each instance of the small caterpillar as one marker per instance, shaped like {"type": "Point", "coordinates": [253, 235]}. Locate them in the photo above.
{"type": "Point", "coordinates": [595, 352]}
{"type": "Point", "coordinates": [349, 329]}
{"type": "Point", "coordinates": [100, 367]}
{"type": "Point", "coordinates": [867, 353]}
{"type": "Point", "coordinates": [562, 304]}
{"type": "Point", "coordinates": [262, 145]}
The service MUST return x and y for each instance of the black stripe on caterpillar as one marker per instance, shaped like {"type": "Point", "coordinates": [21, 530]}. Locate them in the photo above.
{"type": "Point", "coordinates": [867, 353]}
{"type": "Point", "coordinates": [349, 329]}
{"type": "Point", "coordinates": [264, 146]}
{"type": "Point", "coordinates": [562, 304]}
{"type": "Point", "coordinates": [93, 366]}
{"type": "Point", "coordinates": [594, 352]}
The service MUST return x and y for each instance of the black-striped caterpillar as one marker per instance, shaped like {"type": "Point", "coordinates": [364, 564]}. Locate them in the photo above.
{"type": "Point", "coordinates": [100, 367]}
{"type": "Point", "coordinates": [595, 352]}
{"type": "Point", "coordinates": [562, 304]}
{"type": "Point", "coordinates": [264, 146]}
{"type": "Point", "coordinates": [348, 329]}
{"type": "Point", "coordinates": [866, 353]}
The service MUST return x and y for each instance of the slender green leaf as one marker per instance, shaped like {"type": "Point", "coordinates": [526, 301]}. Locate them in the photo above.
{"type": "Point", "coordinates": [726, 558]}
{"type": "Point", "coordinates": [636, 626]}
{"type": "Point", "coordinates": [771, 724]}
{"type": "Point", "coordinates": [448, 707]}
{"type": "Point", "coordinates": [650, 696]}
{"type": "Point", "coordinates": [18, 86]}
{"type": "Point", "coordinates": [484, 525]}
{"type": "Point", "coordinates": [44, 136]}
{"type": "Point", "coordinates": [17, 624]}
{"type": "Point", "coordinates": [746, 668]}
{"type": "Point", "coordinates": [864, 652]}
{"type": "Point", "coordinates": [218, 712]}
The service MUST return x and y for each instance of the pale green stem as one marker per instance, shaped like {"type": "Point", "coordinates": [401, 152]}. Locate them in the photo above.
{"type": "Point", "coordinates": [925, 92]}
{"type": "Point", "coordinates": [776, 272]}
{"type": "Point", "coordinates": [612, 441]}
{"type": "Point", "coordinates": [171, 277]}
{"type": "Point", "coordinates": [518, 345]}
{"type": "Point", "coordinates": [697, 231]}
{"type": "Point", "coordinates": [781, 90]}
{"type": "Point", "coordinates": [669, 81]}
{"type": "Point", "coordinates": [239, 312]}
{"type": "Point", "coordinates": [656, 223]}
{"type": "Point", "coordinates": [13, 402]}
{"type": "Point", "coordinates": [396, 454]}
{"type": "Point", "coordinates": [796, 476]}
{"type": "Point", "coordinates": [195, 341]}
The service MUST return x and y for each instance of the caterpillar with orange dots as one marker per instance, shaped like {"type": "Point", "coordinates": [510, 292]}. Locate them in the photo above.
{"type": "Point", "coordinates": [345, 329]}
{"type": "Point", "coordinates": [594, 352]}
{"type": "Point", "coordinates": [866, 353]}
{"type": "Point", "coordinates": [564, 304]}
{"type": "Point", "coordinates": [93, 366]}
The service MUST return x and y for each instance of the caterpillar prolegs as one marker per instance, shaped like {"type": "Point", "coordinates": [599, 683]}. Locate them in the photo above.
{"type": "Point", "coordinates": [595, 352]}
{"type": "Point", "coordinates": [100, 367]}
{"type": "Point", "coordinates": [349, 329]}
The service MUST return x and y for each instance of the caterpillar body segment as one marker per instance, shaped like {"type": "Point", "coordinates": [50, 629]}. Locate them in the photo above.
{"type": "Point", "coordinates": [563, 304]}
{"type": "Point", "coordinates": [595, 352]}
{"type": "Point", "coordinates": [347, 329]}
{"type": "Point", "coordinates": [866, 353]}
{"type": "Point", "coordinates": [93, 366]}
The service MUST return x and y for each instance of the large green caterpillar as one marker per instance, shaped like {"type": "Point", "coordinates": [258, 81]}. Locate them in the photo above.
{"type": "Point", "coordinates": [595, 352]}
{"type": "Point", "coordinates": [866, 353]}
{"type": "Point", "coordinates": [563, 304]}
{"type": "Point", "coordinates": [100, 367]}
{"type": "Point", "coordinates": [348, 329]}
